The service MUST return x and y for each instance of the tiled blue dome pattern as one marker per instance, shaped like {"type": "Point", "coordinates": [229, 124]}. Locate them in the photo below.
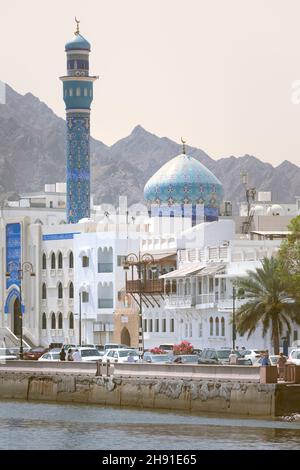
{"type": "Point", "coordinates": [184, 180]}
{"type": "Point", "coordinates": [78, 42]}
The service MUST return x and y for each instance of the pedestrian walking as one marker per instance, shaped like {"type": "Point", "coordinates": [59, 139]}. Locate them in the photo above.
{"type": "Point", "coordinates": [77, 356]}
{"type": "Point", "coordinates": [62, 354]}
{"type": "Point", "coordinates": [281, 364]}
{"type": "Point", "coordinates": [70, 356]}
{"type": "Point", "coordinates": [265, 360]}
{"type": "Point", "coordinates": [232, 358]}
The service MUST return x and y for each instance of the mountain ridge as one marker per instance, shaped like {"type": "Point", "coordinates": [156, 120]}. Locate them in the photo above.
{"type": "Point", "coordinates": [32, 153]}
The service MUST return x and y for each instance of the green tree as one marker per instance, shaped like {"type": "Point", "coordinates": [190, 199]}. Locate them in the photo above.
{"type": "Point", "coordinates": [267, 302]}
{"type": "Point", "coordinates": [289, 256]}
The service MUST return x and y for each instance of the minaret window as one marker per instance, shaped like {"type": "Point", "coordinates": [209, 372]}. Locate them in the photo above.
{"type": "Point", "coordinates": [71, 260]}
{"type": "Point", "coordinates": [71, 291]}
{"type": "Point", "coordinates": [60, 261]}
{"type": "Point", "coordinates": [44, 261]}
{"type": "Point", "coordinates": [78, 91]}
{"type": "Point", "coordinates": [53, 261]}
{"type": "Point", "coordinates": [71, 91]}
{"type": "Point", "coordinates": [44, 322]}
{"type": "Point", "coordinates": [71, 321]}
{"type": "Point", "coordinates": [44, 291]}
{"type": "Point", "coordinates": [85, 92]}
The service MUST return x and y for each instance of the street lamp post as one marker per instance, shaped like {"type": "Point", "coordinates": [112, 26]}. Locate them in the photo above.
{"type": "Point", "coordinates": [233, 317]}
{"type": "Point", "coordinates": [140, 262]}
{"type": "Point", "coordinates": [79, 318]}
{"type": "Point", "coordinates": [21, 268]}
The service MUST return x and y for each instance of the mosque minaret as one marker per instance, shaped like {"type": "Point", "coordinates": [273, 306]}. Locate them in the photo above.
{"type": "Point", "coordinates": [78, 96]}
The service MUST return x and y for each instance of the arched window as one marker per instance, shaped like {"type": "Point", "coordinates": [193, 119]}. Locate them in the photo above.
{"type": "Point", "coordinates": [222, 326]}
{"type": "Point", "coordinates": [53, 321]}
{"type": "Point", "coordinates": [44, 291]}
{"type": "Point", "coordinates": [71, 291]}
{"type": "Point", "coordinates": [44, 261]}
{"type": "Point", "coordinates": [60, 321]}
{"type": "Point", "coordinates": [71, 321]}
{"type": "Point", "coordinates": [44, 322]}
{"type": "Point", "coordinates": [60, 291]}
{"type": "Point", "coordinates": [53, 263]}
{"type": "Point", "coordinates": [217, 327]}
{"type": "Point", "coordinates": [71, 260]}
{"type": "Point", "coordinates": [60, 260]}
{"type": "Point", "coordinates": [211, 327]}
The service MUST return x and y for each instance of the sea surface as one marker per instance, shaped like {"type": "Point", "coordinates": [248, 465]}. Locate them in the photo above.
{"type": "Point", "coordinates": [36, 425]}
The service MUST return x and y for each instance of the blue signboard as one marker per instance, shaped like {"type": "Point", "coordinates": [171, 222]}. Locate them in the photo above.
{"type": "Point", "coordinates": [13, 262]}
{"type": "Point", "coordinates": [60, 236]}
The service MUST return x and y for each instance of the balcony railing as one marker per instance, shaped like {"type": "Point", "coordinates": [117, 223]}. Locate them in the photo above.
{"type": "Point", "coordinates": [105, 303]}
{"type": "Point", "coordinates": [176, 301]}
{"type": "Point", "coordinates": [150, 286]}
{"type": "Point", "coordinates": [105, 267]}
{"type": "Point", "coordinates": [206, 298]}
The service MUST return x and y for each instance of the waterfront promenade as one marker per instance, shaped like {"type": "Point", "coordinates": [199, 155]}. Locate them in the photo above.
{"type": "Point", "coordinates": [233, 390]}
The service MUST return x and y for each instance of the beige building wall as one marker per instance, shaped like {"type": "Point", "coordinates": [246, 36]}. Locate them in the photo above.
{"type": "Point", "coordinates": [126, 324]}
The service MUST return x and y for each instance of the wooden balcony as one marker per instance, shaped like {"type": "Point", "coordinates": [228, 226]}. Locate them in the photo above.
{"type": "Point", "coordinates": [150, 286]}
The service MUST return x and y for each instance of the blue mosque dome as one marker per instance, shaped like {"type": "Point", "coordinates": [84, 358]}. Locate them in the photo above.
{"type": "Point", "coordinates": [78, 42]}
{"type": "Point", "coordinates": [184, 180]}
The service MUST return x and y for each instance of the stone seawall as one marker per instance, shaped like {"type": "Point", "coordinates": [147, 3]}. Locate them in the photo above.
{"type": "Point", "coordinates": [183, 394]}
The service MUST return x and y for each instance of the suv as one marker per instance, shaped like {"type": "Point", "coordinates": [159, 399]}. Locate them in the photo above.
{"type": "Point", "coordinates": [221, 356]}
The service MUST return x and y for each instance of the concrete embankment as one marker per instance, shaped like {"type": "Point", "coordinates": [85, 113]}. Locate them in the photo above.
{"type": "Point", "coordinates": [183, 388]}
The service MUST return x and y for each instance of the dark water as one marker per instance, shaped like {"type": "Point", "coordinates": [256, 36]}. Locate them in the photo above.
{"type": "Point", "coordinates": [26, 425]}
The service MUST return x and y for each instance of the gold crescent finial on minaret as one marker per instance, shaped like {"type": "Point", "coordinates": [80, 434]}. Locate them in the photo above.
{"type": "Point", "coordinates": [183, 145]}
{"type": "Point", "coordinates": [77, 25]}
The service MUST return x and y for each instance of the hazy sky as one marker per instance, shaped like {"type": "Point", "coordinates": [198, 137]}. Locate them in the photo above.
{"type": "Point", "coordinates": [218, 72]}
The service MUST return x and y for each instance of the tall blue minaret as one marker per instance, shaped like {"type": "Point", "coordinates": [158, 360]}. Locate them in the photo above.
{"type": "Point", "coordinates": [78, 96]}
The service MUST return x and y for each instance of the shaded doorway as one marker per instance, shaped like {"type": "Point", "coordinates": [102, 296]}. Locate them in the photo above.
{"type": "Point", "coordinates": [17, 318]}
{"type": "Point", "coordinates": [125, 337]}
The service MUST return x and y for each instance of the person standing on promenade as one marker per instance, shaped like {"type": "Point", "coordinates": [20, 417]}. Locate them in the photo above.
{"type": "Point", "coordinates": [62, 354]}
{"type": "Point", "coordinates": [77, 356]}
{"type": "Point", "coordinates": [280, 365]}
{"type": "Point", "coordinates": [70, 356]}
{"type": "Point", "coordinates": [265, 360]}
{"type": "Point", "coordinates": [232, 358]}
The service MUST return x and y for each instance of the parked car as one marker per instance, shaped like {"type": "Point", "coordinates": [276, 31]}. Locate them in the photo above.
{"type": "Point", "coordinates": [89, 354]}
{"type": "Point", "coordinates": [34, 353]}
{"type": "Point", "coordinates": [273, 361]}
{"type": "Point", "coordinates": [121, 355]}
{"type": "Point", "coordinates": [157, 358]}
{"type": "Point", "coordinates": [167, 347]}
{"type": "Point", "coordinates": [253, 354]}
{"type": "Point", "coordinates": [7, 355]}
{"type": "Point", "coordinates": [115, 346]}
{"type": "Point", "coordinates": [294, 357]}
{"type": "Point", "coordinates": [221, 356]}
{"type": "Point", "coordinates": [185, 359]}
{"type": "Point", "coordinates": [50, 356]}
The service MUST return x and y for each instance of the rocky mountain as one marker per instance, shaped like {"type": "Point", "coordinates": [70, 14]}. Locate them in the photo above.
{"type": "Point", "coordinates": [32, 153]}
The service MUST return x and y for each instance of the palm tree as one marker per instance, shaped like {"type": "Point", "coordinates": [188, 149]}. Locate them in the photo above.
{"type": "Point", "coordinates": [267, 302]}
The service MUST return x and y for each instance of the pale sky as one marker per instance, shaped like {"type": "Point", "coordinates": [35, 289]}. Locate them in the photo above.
{"type": "Point", "coordinates": [217, 72]}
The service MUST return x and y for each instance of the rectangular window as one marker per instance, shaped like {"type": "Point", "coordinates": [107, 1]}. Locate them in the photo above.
{"type": "Point", "coordinates": [186, 330]}
{"type": "Point", "coordinates": [85, 92]}
{"type": "Point", "coordinates": [211, 284]}
{"type": "Point", "coordinates": [150, 324]}
{"type": "Point", "coordinates": [84, 297]}
{"type": "Point", "coordinates": [85, 261]}
{"type": "Point", "coordinates": [78, 91]}
{"type": "Point", "coordinates": [191, 329]}
{"type": "Point", "coordinates": [200, 330]}
{"type": "Point", "coordinates": [121, 260]}
{"type": "Point", "coordinates": [71, 91]}
{"type": "Point", "coordinates": [164, 325]}
{"type": "Point", "coordinates": [171, 325]}
{"type": "Point", "coordinates": [295, 335]}
{"type": "Point", "coordinates": [145, 326]}
{"type": "Point", "coordinates": [156, 325]}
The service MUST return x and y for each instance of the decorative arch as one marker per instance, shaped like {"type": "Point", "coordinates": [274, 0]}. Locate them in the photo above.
{"type": "Point", "coordinates": [211, 326]}
{"type": "Point", "coordinates": [44, 321]}
{"type": "Point", "coordinates": [60, 321]}
{"type": "Point", "coordinates": [53, 261]}
{"type": "Point", "coordinates": [71, 260]}
{"type": "Point", "coordinates": [44, 291]}
{"type": "Point", "coordinates": [53, 321]}
{"type": "Point", "coordinates": [217, 322]}
{"type": "Point", "coordinates": [125, 336]}
{"type": "Point", "coordinates": [59, 260]}
{"type": "Point", "coordinates": [59, 290]}
{"type": "Point", "coordinates": [71, 321]}
{"type": "Point", "coordinates": [71, 290]}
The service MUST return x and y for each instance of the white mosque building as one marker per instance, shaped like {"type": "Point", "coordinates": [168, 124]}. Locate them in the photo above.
{"type": "Point", "coordinates": [79, 282]}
